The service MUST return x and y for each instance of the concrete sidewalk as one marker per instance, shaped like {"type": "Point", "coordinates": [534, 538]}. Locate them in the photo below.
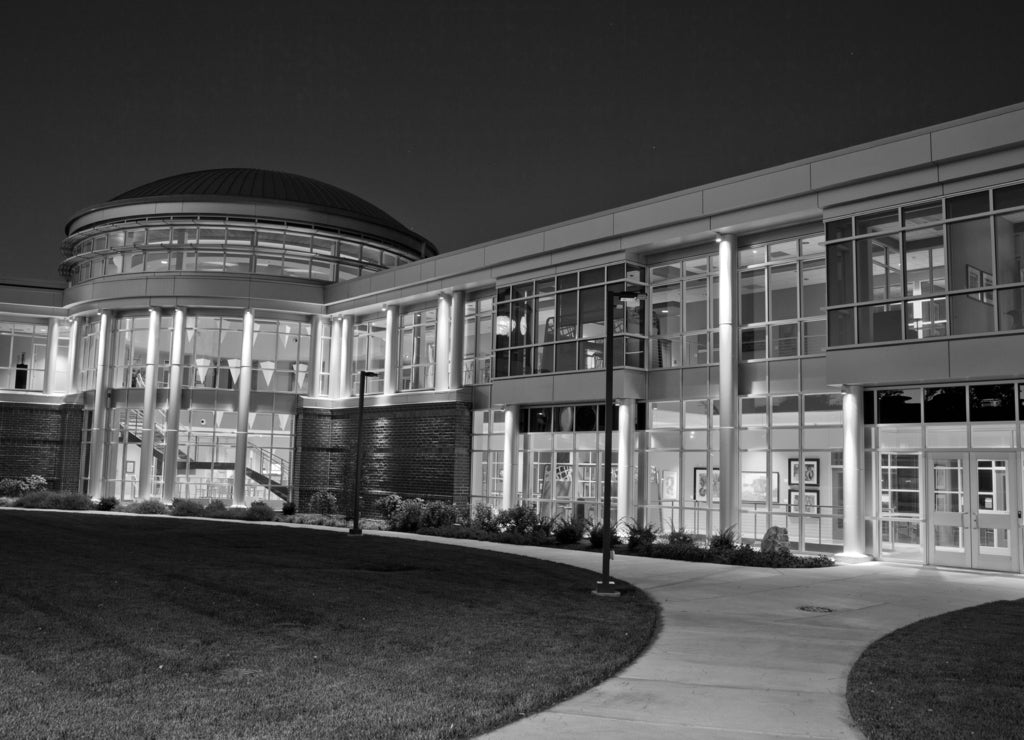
{"type": "Point", "coordinates": [738, 657]}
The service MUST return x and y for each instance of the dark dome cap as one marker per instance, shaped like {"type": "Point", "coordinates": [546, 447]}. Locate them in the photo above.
{"type": "Point", "coordinates": [253, 184]}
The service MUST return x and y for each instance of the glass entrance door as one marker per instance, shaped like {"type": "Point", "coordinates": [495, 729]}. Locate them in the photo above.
{"type": "Point", "coordinates": [974, 500]}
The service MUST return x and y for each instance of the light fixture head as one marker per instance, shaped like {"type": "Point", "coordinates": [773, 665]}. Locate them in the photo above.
{"type": "Point", "coordinates": [718, 238]}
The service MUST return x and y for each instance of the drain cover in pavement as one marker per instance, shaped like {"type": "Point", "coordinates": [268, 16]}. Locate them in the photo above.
{"type": "Point", "coordinates": [818, 609]}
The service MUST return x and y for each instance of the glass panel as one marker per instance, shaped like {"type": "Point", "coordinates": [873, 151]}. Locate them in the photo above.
{"type": "Point", "coordinates": [992, 402]}
{"type": "Point", "coordinates": [785, 340]}
{"type": "Point", "coordinates": [899, 406]}
{"type": "Point", "coordinates": [1010, 247]}
{"type": "Point", "coordinates": [972, 313]}
{"type": "Point", "coordinates": [840, 327]}
{"type": "Point", "coordinates": [1010, 309]}
{"type": "Point", "coordinates": [965, 205]}
{"type": "Point", "coordinates": [814, 337]}
{"type": "Point", "coordinates": [926, 318]}
{"type": "Point", "coordinates": [839, 265]}
{"type": "Point", "coordinates": [812, 301]}
{"type": "Point", "coordinates": [874, 223]}
{"type": "Point", "coordinates": [753, 344]}
{"type": "Point", "coordinates": [696, 297]}
{"type": "Point", "coordinates": [839, 229]}
{"type": "Point", "coordinates": [938, 436]}
{"type": "Point", "coordinates": [881, 323]}
{"type": "Point", "coordinates": [945, 403]}
{"type": "Point", "coordinates": [879, 268]}
{"type": "Point", "coordinates": [752, 297]}
{"type": "Point", "coordinates": [784, 292]}
{"type": "Point", "coordinates": [970, 254]}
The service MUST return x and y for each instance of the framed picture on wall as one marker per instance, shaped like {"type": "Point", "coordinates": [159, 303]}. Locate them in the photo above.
{"type": "Point", "coordinates": [805, 472]}
{"type": "Point", "coordinates": [755, 488]}
{"type": "Point", "coordinates": [810, 501]}
{"type": "Point", "coordinates": [703, 484]}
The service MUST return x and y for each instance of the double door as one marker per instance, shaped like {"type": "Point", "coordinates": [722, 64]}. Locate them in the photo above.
{"type": "Point", "coordinates": [975, 518]}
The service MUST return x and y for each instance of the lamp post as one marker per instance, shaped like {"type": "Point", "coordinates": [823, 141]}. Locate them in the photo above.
{"type": "Point", "coordinates": [606, 586]}
{"type": "Point", "coordinates": [363, 375]}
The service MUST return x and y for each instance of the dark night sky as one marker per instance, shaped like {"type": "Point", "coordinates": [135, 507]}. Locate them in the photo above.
{"type": "Point", "coordinates": [468, 120]}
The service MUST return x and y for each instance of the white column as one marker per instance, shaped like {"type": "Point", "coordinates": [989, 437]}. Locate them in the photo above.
{"type": "Point", "coordinates": [334, 384]}
{"type": "Point", "coordinates": [173, 417]}
{"type": "Point", "coordinates": [345, 358]}
{"type": "Point", "coordinates": [457, 346]}
{"type": "Point", "coordinates": [442, 343]}
{"type": "Point", "coordinates": [508, 457]}
{"type": "Point", "coordinates": [853, 472]}
{"type": "Point", "coordinates": [624, 465]}
{"type": "Point", "coordinates": [72, 386]}
{"type": "Point", "coordinates": [98, 432]}
{"type": "Point", "coordinates": [728, 382]}
{"type": "Point", "coordinates": [391, 350]}
{"type": "Point", "coordinates": [52, 353]}
{"type": "Point", "coordinates": [242, 429]}
{"type": "Point", "coordinates": [316, 366]}
{"type": "Point", "coordinates": [149, 408]}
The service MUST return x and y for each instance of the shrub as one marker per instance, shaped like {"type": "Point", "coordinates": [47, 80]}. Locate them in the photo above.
{"type": "Point", "coordinates": [19, 486]}
{"type": "Point", "coordinates": [259, 512]}
{"type": "Point", "coordinates": [522, 519]}
{"type": "Point", "coordinates": [323, 502]}
{"type": "Point", "coordinates": [724, 540]}
{"type": "Point", "coordinates": [8, 501]}
{"type": "Point", "coordinates": [288, 508]}
{"type": "Point", "coordinates": [569, 531]}
{"type": "Point", "coordinates": [484, 517]}
{"type": "Point", "coordinates": [389, 504]}
{"type": "Point", "coordinates": [186, 507]}
{"type": "Point", "coordinates": [440, 514]}
{"type": "Point", "coordinates": [214, 508]}
{"type": "Point", "coordinates": [149, 506]}
{"type": "Point", "coordinates": [680, 537]}
{"type": "Point", "coordinates": [596, 535]}
{"type": "Point", "coordinates": [406, 516]}
{"type": "Point", "coordinates": [55, 500]}
{"type": "Point", "coordinates": [640, 537]}
{"type": "Point", "coordinates": [107, 503]}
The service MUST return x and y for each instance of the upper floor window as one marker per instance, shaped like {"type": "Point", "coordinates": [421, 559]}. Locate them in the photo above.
{"type": "Point", "coordinates": [557, 324]}
{"type": "Point", "coordinates": [947, 267]}
{"type": "Point", "coordinates": [418, 349]}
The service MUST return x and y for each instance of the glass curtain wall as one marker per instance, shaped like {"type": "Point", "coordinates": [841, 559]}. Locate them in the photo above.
{"type": "Point", "coordinates": [790, 421]}
{"type": "Point", "coordinates": [920, 438]}
{"type": "Point", "coordinates": [417, 349]}
{"type": "Point", "coordinates": [23, 355]}
{"type": "Point", "coordinates": [208, 423]}
{"type": "Point", "coordinates": [369, 341]}
{"type": "Point", "coordinates": [935, 269]}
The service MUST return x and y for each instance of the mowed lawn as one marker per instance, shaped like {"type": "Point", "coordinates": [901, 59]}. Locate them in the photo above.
{"type": "Point", "coordinates": [161, 627]}
{"type": "Point", "coordinates": [957, 675]}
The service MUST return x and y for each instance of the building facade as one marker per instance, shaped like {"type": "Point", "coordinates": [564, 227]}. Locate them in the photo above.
{"type": "Point", "coordinates": [834, 345]}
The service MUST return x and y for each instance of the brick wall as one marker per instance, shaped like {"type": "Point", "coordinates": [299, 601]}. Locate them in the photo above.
{"type": "Point", "coordinates": [415, 450]}
{"type": "Point", "coordinates": [41, 440]}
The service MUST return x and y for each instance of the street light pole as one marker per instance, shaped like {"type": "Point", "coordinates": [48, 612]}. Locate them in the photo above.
{"type": "Point", "coordinates": [606, 586]}
{"type": "Point", "coordinates": [363, 375]}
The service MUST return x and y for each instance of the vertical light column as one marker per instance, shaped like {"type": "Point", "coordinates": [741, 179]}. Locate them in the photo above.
{"type": "Point", "coordinates": [508, 456]}
{"type": "Point", "coordinates": [456, 346]}
{"type": "Point", "coordinates": [853, 472]}
{"type": "Point", "coordinates": [626, 508]}
{"type": "Point", "coordinates": [391, 350]}
{"type": "Point", "coordinates": [442, 343]}
{"type": "Point", "coordinates": [242, 429]}
{"type": "Point", "coordinates": [98, 432]}
{"type": "Point", "coordinates": [318, 357]}
{"type": "Point", "coordinates": [345, 361]}
{"type": "Point", "coordinates": [72, 386]}
{"type": "Point", "coordinates": [173, 418]}
{"type": "Point", "coordinates": [52, 353]}
{"type": "Point", "coordinates": [149, 408]}
{"type": "Point", "coordinates": [728, 381]}
{"type": "Point", "coordinates": [334, 375]}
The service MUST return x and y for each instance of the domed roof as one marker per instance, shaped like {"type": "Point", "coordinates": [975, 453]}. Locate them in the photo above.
{"type": "Point", "coordinates": [250, 184]}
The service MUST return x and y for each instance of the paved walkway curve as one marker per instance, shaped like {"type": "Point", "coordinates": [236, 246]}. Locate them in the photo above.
{"type": "Point", "coordinates": [736, 657]}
